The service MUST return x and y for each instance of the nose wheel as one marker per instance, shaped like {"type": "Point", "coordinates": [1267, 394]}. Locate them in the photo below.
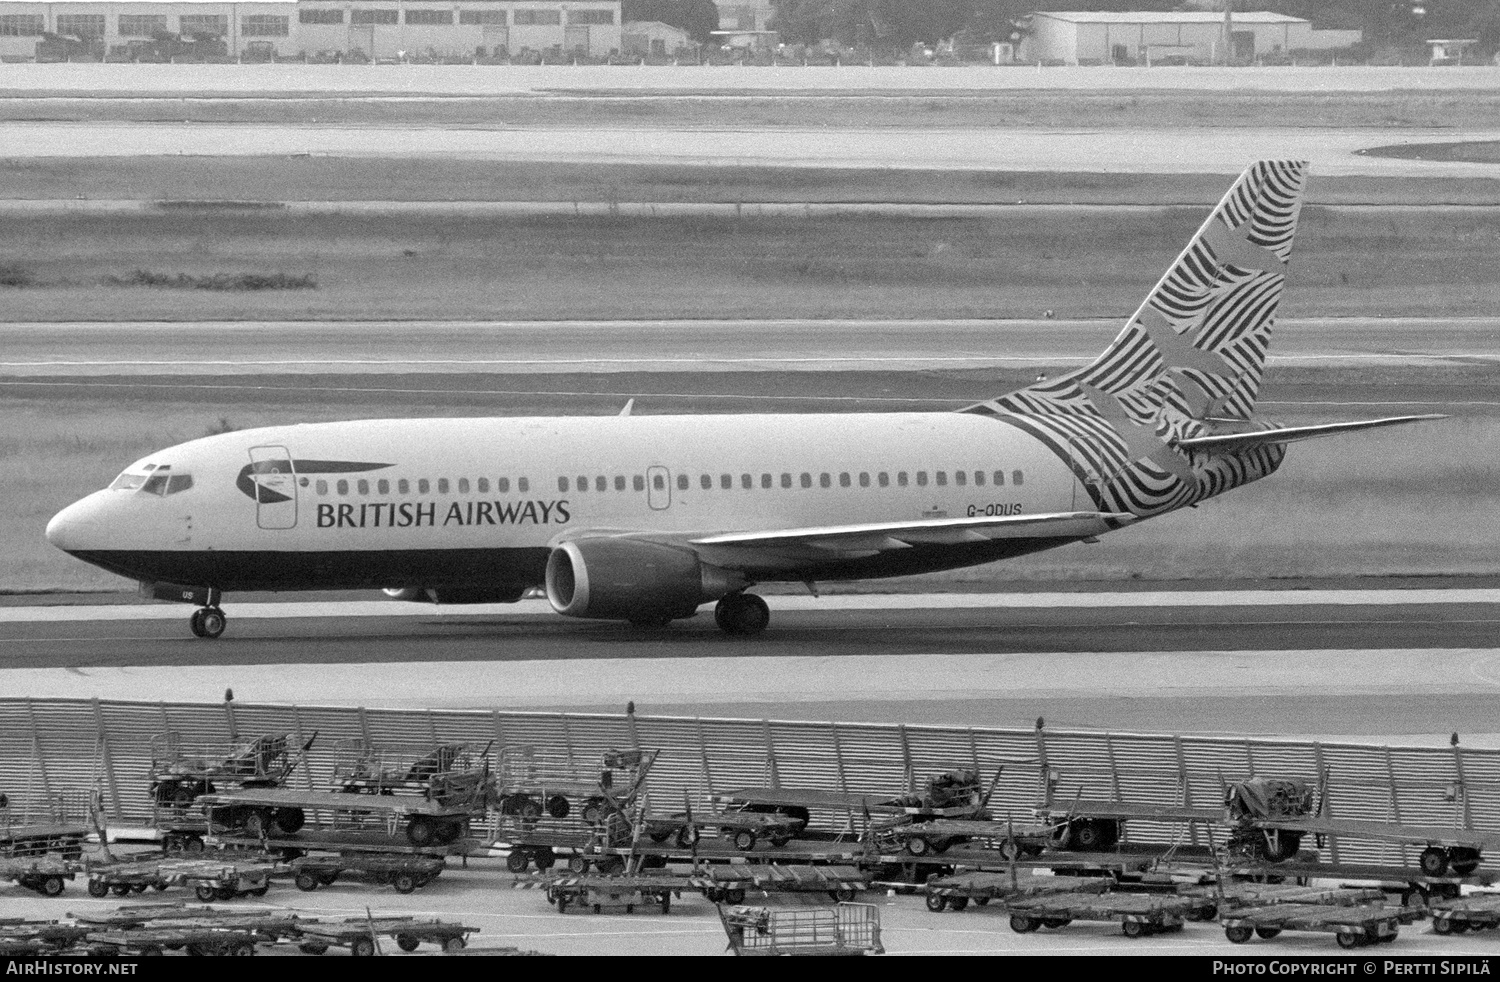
{"type": "Point", "coordinates": [208, 622]}
{"type": "Point", "coordinates": [743, 614]}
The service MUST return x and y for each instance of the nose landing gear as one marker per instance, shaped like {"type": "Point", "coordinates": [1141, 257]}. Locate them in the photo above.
{"type": "Point", "coordinates": [208, 622]}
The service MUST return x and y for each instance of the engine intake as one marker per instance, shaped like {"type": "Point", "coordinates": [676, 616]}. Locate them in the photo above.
{"type": "Point", "coordinates": [627, 579]}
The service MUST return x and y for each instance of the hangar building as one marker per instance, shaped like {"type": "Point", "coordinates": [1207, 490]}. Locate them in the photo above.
{"type": "Point", "coordinates": [1093, 37]}
{"type": "Point", "coordinates": [381, 28]}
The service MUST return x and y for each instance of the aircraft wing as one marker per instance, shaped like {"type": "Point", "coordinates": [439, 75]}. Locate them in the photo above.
{"type": "Point", "coordinates": [1292, 434]}
{"type": "Point", "coordinates": [874, 537]}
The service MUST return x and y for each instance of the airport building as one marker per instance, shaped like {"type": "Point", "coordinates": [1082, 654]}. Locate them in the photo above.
{"type": "Point", "coordinates": [1093, 37]}
{"type": "Point", "coordinates": [122, 29]}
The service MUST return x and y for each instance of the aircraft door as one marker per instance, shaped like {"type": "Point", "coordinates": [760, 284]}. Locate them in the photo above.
{"type": "Point", "coordinates": [658, 488]}
{"type": "Point", "coordinates": [275, 481]}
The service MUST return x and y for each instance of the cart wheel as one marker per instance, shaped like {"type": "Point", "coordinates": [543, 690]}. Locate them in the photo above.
{"type": "Point", "coordinates": [937, 903]}
{"type": "Point", "coordinates": [455, 943]}
{"type": "Point", "coordinates": [242, 948]}
{"type": "Point", "coordinates": [1133, 929]}
{"type": "Point", "coordinates": [744, 841]}
{"type": "Point", "coordinates": [1090, 836]}
{"type": "Point", "coordinates": [193, 843]}
{"type": "Point", "coordinates": [306, 882]}
{"type": "Point", "coordinates": [1387, 938]}
{"type": "Point", "coordinates": [958, 903]}
{"type": "Point", "coordinates": [362, 947]}
{"type": "Point", "coordinates": [577, 864]}
{"type": "Point", "coordinates": [659, 837]}
{"type": "Point", "coordinates": [406, 942]}
{"type": "Point", "coordinates": [1460, 927]}
{"type": "Point", "coordinates": [843, 895]}
{"type": "Point", "coordinates": [1348, 939]}
{"type": "Point", "coordinates": [544, 860]}
{"type": "Point", "coordinates": [593, 810]}
{"type": "Point", "coordinates": [171, 842]}
{"type": "Point", "coordinates": [420, 831]}
{"type": "Point", "coordinates": [312, 947]}
{"type": "Point", "coordinates": [1440, 925]}
{"type": "Point", "coordinates": [52, 886]}
{"type": "Point", "coordinates": [1056, 923]}
{"type": "Point", "coordinates": [982, 901]}
{"type": "Point", "coordinates": [517, 861]}
{"type": "Point", "coordinates": [1238, 934]}
{"type": "Point", "coordinates": [1464, 861]}
{"type": "Point", "coordinates": [288, 821]}
{"type": "Point", "coordinates": [138, 887]}
{"type": "Point", "coordinates": [328, 879]}
{"type": "Point", "coordinates": [918, 845]}
{"type": "Point", "coordinates": [449, 831]}
{"type": "Point", "coordinates": [1434, 861]}
{"type": "Point", "coordinates": [612, 865]}
{"type": "Point", "coordinates": [1267, 933]}
{"type": "Point", "coordinates": [120, 889]}
{"type": "Point", "coordinates": [98, 888]}
{"type": "Point", "coordinates": [666, 903]}
{"type": "Point", "coordinates": [404, 882]}
{"type": "Point", "coordinates": [1021, 924]}
{"type": "Point", "coordinates": [530, 811]}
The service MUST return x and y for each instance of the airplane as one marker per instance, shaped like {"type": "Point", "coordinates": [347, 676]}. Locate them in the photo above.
{"type": "Point", "coordinates": [646, 518]}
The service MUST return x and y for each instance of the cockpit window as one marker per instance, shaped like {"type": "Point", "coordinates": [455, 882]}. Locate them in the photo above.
{"type": "Point", "coordinates": [156, 479]}
{"type": "Point", "coordinates": [179, 482]}
{"type": "Point", "coordinates": [128, 482]}
{"type": "Point", "coordinates": [155, 484]}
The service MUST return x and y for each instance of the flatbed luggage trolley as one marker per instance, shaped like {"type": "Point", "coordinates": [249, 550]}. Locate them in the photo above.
{"type": "Point", "coordinates": [1476, 912]}
{"type": "Point", "coordinates": [45, 876]}
{"type": "Point", "coordinates": [843, 929]}
{"type": "Point", "coordinates": [1138, 914]}
{"type": "Point", "coordinates": [1352, 927]}
{"type": "Point", "coordinates": [359, 934]}
{"type": "Point", "coordinates": [149, 941]}
{"type": "Point", "coordinates": [403, 873]}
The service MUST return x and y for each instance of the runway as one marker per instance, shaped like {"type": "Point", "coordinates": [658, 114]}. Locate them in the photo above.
{"type": "Point", "coordinates": [679, 346]}
{"type": "Point", "coordinates": [1410, 664]}
{"type": "Point", "coordinates": [1331, 152]}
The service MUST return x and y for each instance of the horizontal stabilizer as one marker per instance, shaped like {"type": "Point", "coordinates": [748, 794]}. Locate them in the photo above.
{"type": "Point", "coordinates": [1291, 434]}
{"type": "Point", "coordinates": [877, 536]}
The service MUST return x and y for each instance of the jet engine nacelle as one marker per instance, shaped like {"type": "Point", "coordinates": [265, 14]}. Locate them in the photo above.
{"type": "Point", "coordinates": [627, 579]}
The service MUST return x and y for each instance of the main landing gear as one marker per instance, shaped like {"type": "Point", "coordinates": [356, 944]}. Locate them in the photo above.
{"type": "Point", "coordinates": [742, 613]}
{"type": "Point", "coordinates": [208, 622]}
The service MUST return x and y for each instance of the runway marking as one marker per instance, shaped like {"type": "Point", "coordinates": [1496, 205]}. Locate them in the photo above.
{"type": "Point", "coordinates": [790, 602]}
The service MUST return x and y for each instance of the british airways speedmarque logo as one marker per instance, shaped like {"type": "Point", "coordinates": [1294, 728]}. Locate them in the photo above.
{"type": "Point", "coordinates": [268, 496]}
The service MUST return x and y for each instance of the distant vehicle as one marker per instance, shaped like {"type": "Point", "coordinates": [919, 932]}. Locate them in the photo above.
{"type": "Point", "coordinates": [646, 518]}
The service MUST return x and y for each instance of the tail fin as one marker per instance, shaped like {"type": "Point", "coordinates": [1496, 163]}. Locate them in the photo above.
{"type": "Point", "coordinates": [1194, 352]}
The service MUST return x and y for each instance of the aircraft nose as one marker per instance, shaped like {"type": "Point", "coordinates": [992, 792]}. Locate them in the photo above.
{"type": "Point", "coordinates": [71, 529]}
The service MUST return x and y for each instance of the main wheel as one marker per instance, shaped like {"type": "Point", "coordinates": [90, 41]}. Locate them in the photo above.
{"type": "Point", "coordinates": [1434, 861]}
{"type": "Point", "coordinates": [958, 903]}
{"type": "Point", "coordinates": [593, 810]}
{"type": "Point", "coordinates": [122, 889]}
{"type": "Point", "coordinates": [212, 622]}
{"type": "Point", "coordinates": [50, 886]}
{"type": "Point", "coordinates": [1348, 939]}
{"type": "Point", "coordinates": [937, 903]}
{"type": "Point", "coordinates": [455, 944]}
{"type": "Point", "coordinates": [545, 859]}
{"type": "Point", "coordinates": [404, 882]}
{"type": "Point", "coordinates": [204, 892]}
{"type": "Point", "coordinates": [517, 861]}
{"type": "Point", "coordinates": [192, 843]}
{"type": "Point", "coordinates": [306, 882]}
{"type": "Point", "coordinates": [742, 614]}
{"type": "Point", "coordinates": [98, 888]}
{"type": "Point", "coordinates": [1021, 924]}
{"type": "Point", "coordinates": [1133, 929]}
{"type": "Point", "coordinates": [744, 840]}
{"type": "Point", "coordinates": [1238, 934]}
{"type": "Point", "coordinates": [918, 845]}
{"type": "Point", "coordinates": [362, 947]}
{"type": "Point", "coordinates": [1089, 835]}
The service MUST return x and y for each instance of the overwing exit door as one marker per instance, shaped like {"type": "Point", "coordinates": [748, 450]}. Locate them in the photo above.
{"type": "Point", "coordinates": [275, 480]}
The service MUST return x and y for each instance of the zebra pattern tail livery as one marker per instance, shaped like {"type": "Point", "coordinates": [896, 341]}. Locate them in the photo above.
{"type": "Point", "coordinates": [1190, 359]}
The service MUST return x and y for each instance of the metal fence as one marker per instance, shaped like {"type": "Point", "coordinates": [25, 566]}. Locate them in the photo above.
{"type": "Point", "coordinates": [58, 750]}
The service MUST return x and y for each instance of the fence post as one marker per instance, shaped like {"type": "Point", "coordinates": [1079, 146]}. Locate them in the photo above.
{"type": "Point", "coordinates": [775, 771]}
{"type": "Point", "coordinates": [102, 747]}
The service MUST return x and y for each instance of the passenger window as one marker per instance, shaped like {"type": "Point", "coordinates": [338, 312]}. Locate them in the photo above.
{"type": "Point", "coordinates": [901, 478]}
{"type": "Point", "coordinates": [383, 486]}
{"type": "Point", "coordinates": [523, 484]}
{"type": "Point", "coordinates": [403, 486]}
{"type": "Point", "coordinates": [765, 481]}
{"type": "Point", "coordinates": [864, 479]}
{"type": "Point", "coordinates": [921, 479]}
{"type": "Point", "coordinates": [726, 481]}
{"type": "Point", "coordinates": [682, 482]}
{"type": "Point", "coordinates": [959, 477]}
{"type": "Point", "coordinates": [999, 479]}
{"type": "Point", "coordinates": [322, 487]}
{"type": "Point", "coordinates": [363, 485]}
{"type": "Point", "coordinates": [639, 483]}
{"type": "Point", "coordinates": [422, 486]}
{"type": "Point", "coordinates": [463, 485]}
{"type": "Point", "coordinates": [343, 487]}
{"type": "Point", "coordinates": [786, 480]}
{"type": "Point", "coordinates": [442, 485]}
{"type": "Point", "coordinates": [844, 479]}
{"type": "Point", "coordinates": [705, 482]}
{"type": "Point", "coordinates": [620, 482]}
{"type": "Point", "coordinates": [747, 482]}
{"type": "Point", "coordinates": [658, 482]}
{"type": "Point", "coordinates": [583, 484]}
{"type": "Point", "coordinates": [825, 480]}
{"type": "Point", "coordinates": [502, 484]}
{"type": "Point", "coordinates": [601, 483]}
{"type": "Point", "coordinates": [484, 485]}
{"type": "Point", "coordinates": [806, 479]}
{"type": "Point", "coordinates": [979, 479]}
{"type": "Point", "coordinates": [942, 478]}
{"type": "Point", "coordinates": [562, 484]}
{"type": "Point", "coordinates": [1018, 478]}
{"type": "Point", "coordinates": [155, 484]}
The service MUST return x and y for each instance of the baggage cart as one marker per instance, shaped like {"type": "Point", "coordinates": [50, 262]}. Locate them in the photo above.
{"type": "Point", "coordinates": [209, 879]}
{"type": "Point", "coordinates": [45, 875]}
{"type": "Point", "coordinates": [935, 836]}
{"type": "Point", "coordinates": [1352, 927]}
{"type": "Point", "coordinates": [729, 884]}
{"type": "Point", "coordinates": [403, 873]}
{"type": "Point", "coordinates": [599, 892]}
{"type": "Point", "coordinates": [148, 941]}
{"type": "Point", "coordinates": [441, 818]}
{"type": "Point", "coordinates": [957, 891]}
{"type": "Point", "coordinates": [1476, 912]}
{"type": "Point", "coordinates": [843, 929]}
{"type": "Point", "coordinates": [43, 829]}
{"type": "Point", "coordinates": [23, 937]}
{"type": "Point", "coordinates": [1138, 914]}
{"type": "Point", "coordinates": [360, 935]}
{"type": "Point", "coordinates": [532, 781]}
{"type": "Point", "coordinates": [364, 768]}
